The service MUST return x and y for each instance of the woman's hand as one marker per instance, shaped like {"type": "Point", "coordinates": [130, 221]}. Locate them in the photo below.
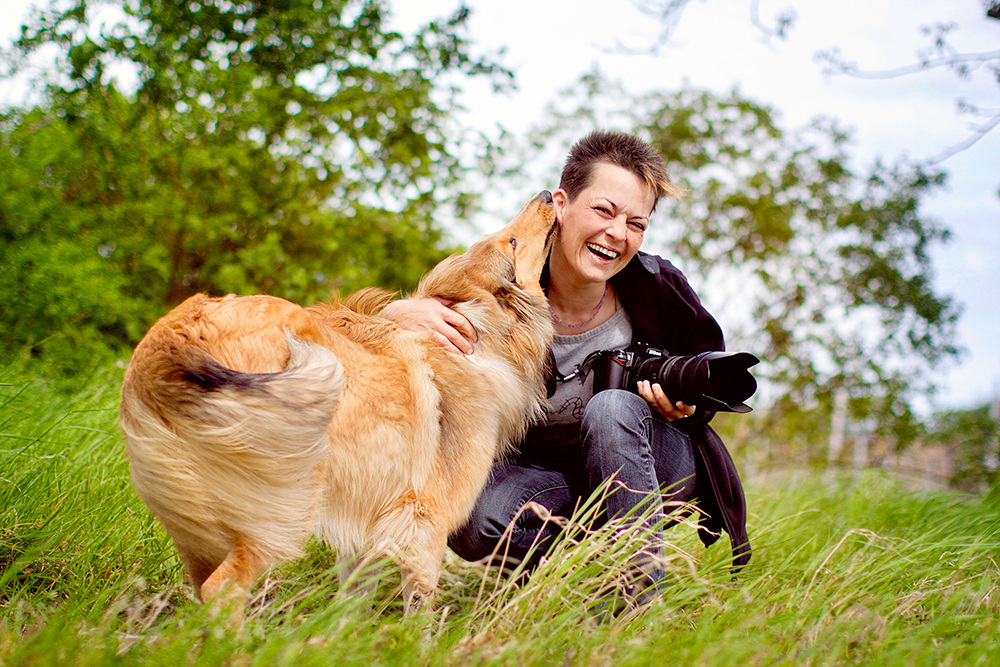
{"type": "Point", "coordinates": [655, 397]}
{"type": "Point", "coordinates": [452, 330]}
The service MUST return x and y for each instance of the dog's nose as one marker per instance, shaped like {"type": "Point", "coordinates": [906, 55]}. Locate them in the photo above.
{"type": "Point", "coordinates": [545, 196]}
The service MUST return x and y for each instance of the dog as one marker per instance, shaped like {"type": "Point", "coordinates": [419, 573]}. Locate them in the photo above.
{"type": "Point", "coordinates": [253, 423]}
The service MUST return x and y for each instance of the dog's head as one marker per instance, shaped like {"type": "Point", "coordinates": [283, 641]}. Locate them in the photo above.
{"type": "Point", "coordinates": [495, 284]}
{"type": "Point", "coordinates": [510, 258]}
{"type": "Point", "coordinates": [503, 269]}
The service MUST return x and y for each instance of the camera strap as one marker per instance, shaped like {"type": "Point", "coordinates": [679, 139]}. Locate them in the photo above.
{"type": "Point", "coordinates": [581, 369]}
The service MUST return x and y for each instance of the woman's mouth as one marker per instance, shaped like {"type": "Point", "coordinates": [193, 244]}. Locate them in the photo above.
{"type": "Point", "coordinates": [602, 252]}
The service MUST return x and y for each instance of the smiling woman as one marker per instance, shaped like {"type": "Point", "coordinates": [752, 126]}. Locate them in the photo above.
{"type": "Point", "coordinates": [604, 294]}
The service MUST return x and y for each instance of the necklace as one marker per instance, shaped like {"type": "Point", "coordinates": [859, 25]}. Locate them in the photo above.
{"type": "Point", "coordinates": [592, 317]}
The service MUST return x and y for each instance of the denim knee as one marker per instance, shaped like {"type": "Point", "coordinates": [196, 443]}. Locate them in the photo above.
{"type": "Point", "coordinates": [476, 539]}
{"type": "Point", "coordinates": [500, 516]}
{"type": "Point", "coordinates": [613, 417]}
{"type": "Point", "coordinates": [623, 438]}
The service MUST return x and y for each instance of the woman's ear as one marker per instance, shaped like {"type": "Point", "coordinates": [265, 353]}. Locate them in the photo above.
{"type": "Point", "coordinates": [559, 201]}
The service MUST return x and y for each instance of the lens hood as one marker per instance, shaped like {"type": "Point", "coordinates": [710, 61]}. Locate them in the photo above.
{"type": "Point", "coordinates": [718, 381]}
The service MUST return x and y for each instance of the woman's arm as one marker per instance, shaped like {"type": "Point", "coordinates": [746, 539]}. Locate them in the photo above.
{"type": "Point", "coordinates": [451, 329]}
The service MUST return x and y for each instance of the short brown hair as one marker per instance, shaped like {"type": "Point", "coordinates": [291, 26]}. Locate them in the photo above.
{"type": "Point", "coordinates": [621, 149]}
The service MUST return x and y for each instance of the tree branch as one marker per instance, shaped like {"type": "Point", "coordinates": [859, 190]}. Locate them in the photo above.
{"type": "Point", "coordinates": [939, 54]}
{"type": "Point", "coordinates": [836, 64]}
{"type": "Point", "coordinates": [783, 23]}
{"type": "Point", "coordinates": [668, 14]}
{"type": "Point", "coordinates": [978, 132]}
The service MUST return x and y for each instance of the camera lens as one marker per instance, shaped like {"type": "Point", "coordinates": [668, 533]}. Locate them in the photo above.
{"type": "Point", "coordinates": [716, 381]}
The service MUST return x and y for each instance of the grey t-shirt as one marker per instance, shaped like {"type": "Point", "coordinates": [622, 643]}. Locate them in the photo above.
{"type": "Point", "coordinates": [566, 405]}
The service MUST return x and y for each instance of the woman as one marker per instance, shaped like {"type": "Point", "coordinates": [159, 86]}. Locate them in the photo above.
{"type": "Point", "coordinates": [604, 294]}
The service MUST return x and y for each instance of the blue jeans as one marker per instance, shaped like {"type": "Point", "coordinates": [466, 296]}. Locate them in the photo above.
{"type": "Point", "coordinates": [620, 436]}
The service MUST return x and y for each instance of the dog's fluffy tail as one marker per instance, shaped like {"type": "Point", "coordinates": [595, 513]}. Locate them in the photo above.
{"type": "Point", "coordinates": [219, 455]}
{"type": "Point", "coordinates": [279, 417]}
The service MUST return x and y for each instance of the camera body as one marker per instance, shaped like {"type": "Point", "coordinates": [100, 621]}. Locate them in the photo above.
{"type": "Point", "coordinates": [718, 381]}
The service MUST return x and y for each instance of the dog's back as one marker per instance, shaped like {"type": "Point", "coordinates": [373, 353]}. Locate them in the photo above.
{"type": "Point", "coordinates": [216, 452]}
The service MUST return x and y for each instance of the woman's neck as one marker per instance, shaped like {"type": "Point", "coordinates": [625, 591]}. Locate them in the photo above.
{"type": "Point", "coordinates": [577, 308]}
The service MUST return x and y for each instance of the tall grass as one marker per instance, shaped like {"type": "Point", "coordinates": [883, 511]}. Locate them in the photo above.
{"type": "Point", "coordinates": [846, 570]}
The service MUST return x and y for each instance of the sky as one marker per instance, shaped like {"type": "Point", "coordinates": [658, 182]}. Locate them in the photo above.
{"type": "Point", "coordinates": [714, 45]}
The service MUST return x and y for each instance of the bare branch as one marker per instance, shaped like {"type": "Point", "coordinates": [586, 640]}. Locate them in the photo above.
{"type": "Point", "coordinates": [665, 12]}
{"type": "Point", "coordinates": [784, 22]}
{"type": "Point", "coordinates": [668, 14]}
{"type": "Point", "coordinates": [978, 132]}
{"type": "Point", "coordinates": [940, 54]}
{"type": "Point", "coordinates": [962, 63]}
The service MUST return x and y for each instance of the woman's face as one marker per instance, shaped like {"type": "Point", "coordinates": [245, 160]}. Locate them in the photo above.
{"type": "Point", "coordinates": [601, 230]}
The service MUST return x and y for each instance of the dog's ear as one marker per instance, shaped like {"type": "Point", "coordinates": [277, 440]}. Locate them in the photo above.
{"type": "Point", "coordinates": [496, 267]}
{"type": "Point", "coordinates": [516, 300]}
{"type": "Point", "coordinates": [448, 280]}
{"type": "Point", "coordinates": [507, 269]}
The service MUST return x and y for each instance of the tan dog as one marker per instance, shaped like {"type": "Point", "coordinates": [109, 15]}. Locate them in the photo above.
{"type": "Point", "coordinates": [253, 423]}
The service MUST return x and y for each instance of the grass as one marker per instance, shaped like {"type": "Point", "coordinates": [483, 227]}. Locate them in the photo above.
{"type": "Point", "coordinates": [846, 570]}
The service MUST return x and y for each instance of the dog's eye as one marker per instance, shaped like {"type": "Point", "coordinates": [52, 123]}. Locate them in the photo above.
{"type": "Point", "coordinates": [513, 243]}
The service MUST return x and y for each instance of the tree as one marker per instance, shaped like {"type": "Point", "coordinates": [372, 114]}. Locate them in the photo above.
{"type": "Point", "coordinates": [818, 267]}
{"type": "Point", "coordinates": [283, 146]}
{"type": "Point", "coordinates": [972, 436]}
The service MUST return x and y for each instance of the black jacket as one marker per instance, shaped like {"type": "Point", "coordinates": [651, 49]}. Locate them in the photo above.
{"type": "Point", "coordinates": [666, 313]}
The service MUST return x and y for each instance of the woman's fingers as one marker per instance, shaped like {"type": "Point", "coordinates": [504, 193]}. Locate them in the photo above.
{"type": "Point", "coordinates": [451, 329]}
{"type": "Point", "coordinates": [653, 393]}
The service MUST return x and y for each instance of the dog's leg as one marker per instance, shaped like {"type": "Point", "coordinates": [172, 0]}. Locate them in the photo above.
{"type": "Point", "coordinates": [228, 587]}
{"type": "Point", "coordinates": [409, 533]}
{"type": "Point", "coordinates": [198, 567]}
{"type": "Point", "coordinates": [421, 568]}
{"type": "Point", "coordinates": [358, 577]}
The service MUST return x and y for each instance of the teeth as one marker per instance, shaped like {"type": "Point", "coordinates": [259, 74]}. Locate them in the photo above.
{"type": "Point", "coordinates": [603, 252]}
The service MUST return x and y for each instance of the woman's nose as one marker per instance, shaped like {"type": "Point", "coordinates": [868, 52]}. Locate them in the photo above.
{"type": "Point", "coordinates": [617, 227]}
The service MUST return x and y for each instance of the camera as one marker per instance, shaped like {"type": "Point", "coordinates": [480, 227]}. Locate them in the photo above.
{"type": "Point", "coordinates": [718, 381]}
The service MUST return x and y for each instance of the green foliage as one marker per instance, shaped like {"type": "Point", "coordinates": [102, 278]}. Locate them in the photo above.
{"type": "Point", "coordinates": [973, 436]}
{"type": "Point", "coordinates": [292, 148]}
{"type": "Point", "coordinates": [851, 570]}
{"type": "Point", "coordinates": [822, 269]}
{"type": "Point", "coordinates": [66, 292]}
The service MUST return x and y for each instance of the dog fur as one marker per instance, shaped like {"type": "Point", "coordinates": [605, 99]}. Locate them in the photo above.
{"type": "Point", "coordinates": [252, 423]}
